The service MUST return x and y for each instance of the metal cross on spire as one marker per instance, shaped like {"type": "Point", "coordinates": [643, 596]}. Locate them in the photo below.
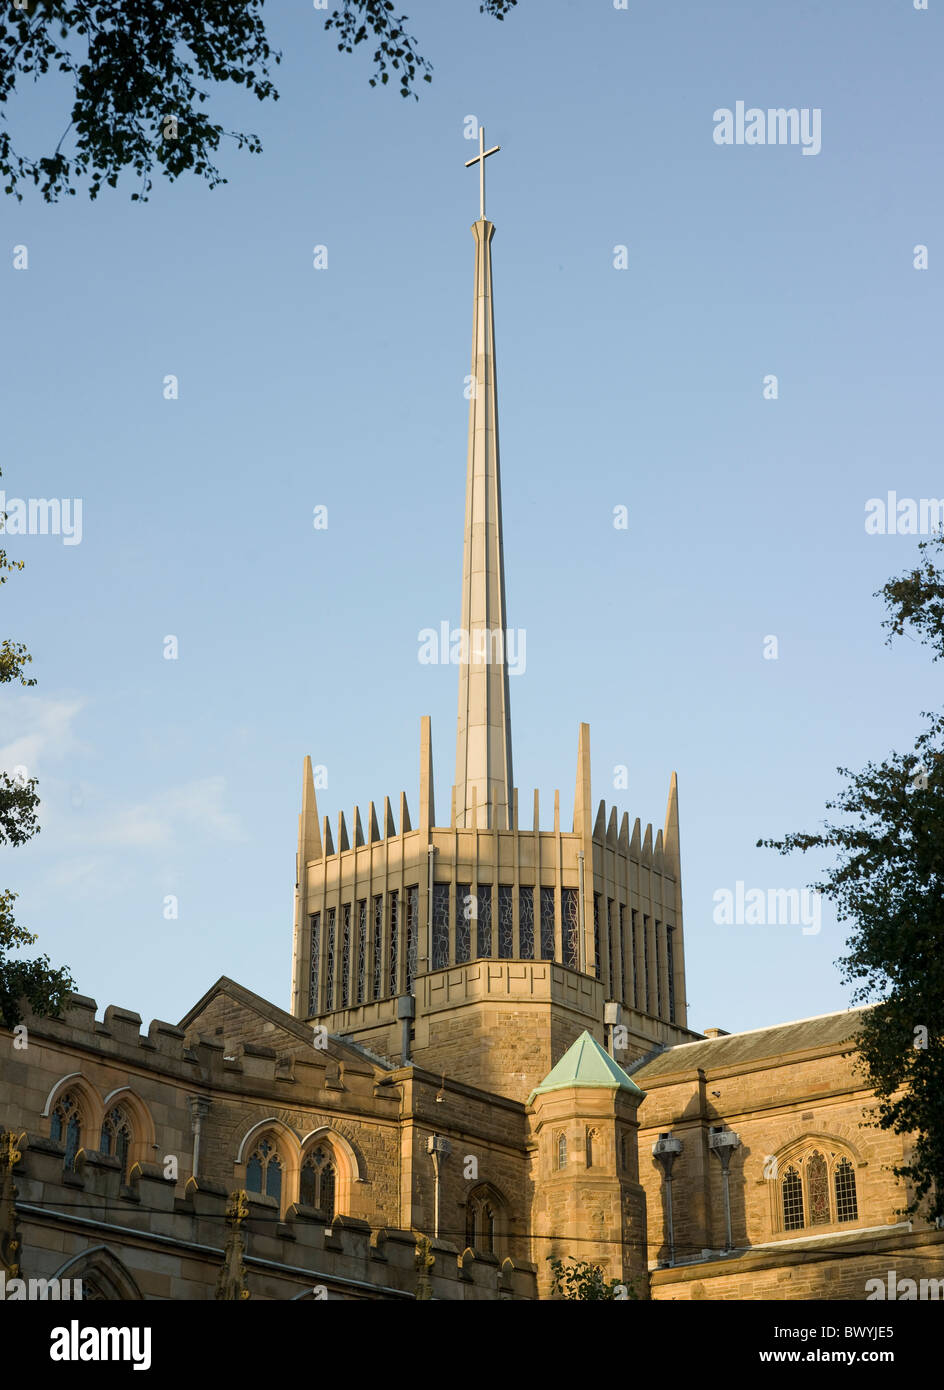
{"type": "Point", "coordinates": [480, 159]}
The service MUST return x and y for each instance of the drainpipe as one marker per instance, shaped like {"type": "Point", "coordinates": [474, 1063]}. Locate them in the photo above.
{"type": "Point", "coordinates": [722, 1143]}
{"type": "Point", "coordinates": [439, 1150]}
{"type": "Point", "coordinates": [199, 1108]}
{"type": "Point", "coordinates": [582, 943]}
{"type": "Point", "coordinates": [666, 1150]}
{"type": "Point", "coordinates": [406, 1012]}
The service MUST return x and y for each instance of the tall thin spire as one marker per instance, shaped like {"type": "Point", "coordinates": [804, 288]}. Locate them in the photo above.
{"type": "Point", "coordinates": [483, 742]}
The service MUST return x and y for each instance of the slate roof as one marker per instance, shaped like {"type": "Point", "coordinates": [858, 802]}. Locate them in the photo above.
{"type": "Point", "coordinates": [586, 1063]}
{"type": "Point", "coordinates": [823, 1033]}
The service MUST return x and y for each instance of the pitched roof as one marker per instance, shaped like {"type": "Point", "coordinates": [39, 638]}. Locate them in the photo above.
{"type": "Point", "coordinates": [586, 1063]}
{"type": "Point", "coordinates": [823, 1033]}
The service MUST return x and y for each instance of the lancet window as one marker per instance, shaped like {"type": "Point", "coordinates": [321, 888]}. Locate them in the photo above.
{"type": "Point", "coordinates": [570, 916]}
{"type": "Point", "coordinates": [264, 1170]}
{"type": "Point", "coordinates": [464, 910]}
{"type": "Point", "coordinates": [378, 945]}
{"type": "Point", "coordinates": [361, 950]}
{"type": "Point", "coordinates": [526, 923]}
{"type": "Point", "coordinates": [440, 926]}
{"type": "Point", "coordinates": [116, 1138]}
{"type": "Point", "coordinates": [66, 1126]}
{"type": "Point", "coordinates": [597, 959]}
{"type": "Point", "coordinates": [345, 954]}
{"type": "Point", "coordinates": [506, 922]}
{"type": "Point", "coordinates": [483, 907]}
{"type": "Point", "coordinates": [412, 930]}
{"type": "Point", "coordinates": [329, 962]}
{"type": "Point", "coordinates": [314, 1002]}
{"type": "Point", "coordinates": [393, 957]}
{"type": "Point", "coordinates": [319, 1181]}
{"type": "Point", "coordinates": [547, 923]}
{"type": "Point", "coordinates": [817, 1188]}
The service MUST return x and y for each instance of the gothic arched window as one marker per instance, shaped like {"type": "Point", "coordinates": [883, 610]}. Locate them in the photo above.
{"type": "Point", "coordinates": [264, 1171]}
{"type": "Point", "coordinates": [847, 1207]}
{"type": "Point", "coordinates": [817, 1182]}
{"type": "Point", "coordinates": [483, 1220]}
{"type": "Point", "coordinates": [562, 1151]}
{"type": "Point", "coordinates": [65, 1127]}
{"type": "Point", "coordinates": [791, 1192]}
{"type": "Point", "coordinates": [116, 1138]}
{"type": "Point", "coordinates": [591, 1135]}
{"type": "Point", "coordinates": [319, 1181]}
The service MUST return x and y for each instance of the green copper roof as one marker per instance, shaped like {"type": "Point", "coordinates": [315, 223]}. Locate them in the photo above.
{"type": "Point", "coordinates": [586, 1064]}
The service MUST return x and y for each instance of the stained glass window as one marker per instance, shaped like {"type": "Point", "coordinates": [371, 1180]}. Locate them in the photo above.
{"type": "Point", "coordinates": [345, 954]}
{"type": "Point", "coordinates": [378, 945]}
{"type": "Point", "coordinates": [635, 923]}
{"type": "Point", "coordinates": [670, 964]}
{"type": "Point", "coordinates": [440, 926]}
{"type": "Point", "coordinates": [318, 1182]}
{"type": "Point", "coordinates": [361, 950]}
{"type": "Point", "coordinates": [526, 923]}
{"type": "Point", "coordinates": [847, 1207]}
{"type": "Point", "coordinates": [562, 1151]}
{"type": "Point", "coordinates": [464, 910]}
{"type": "Point", "coordinates": [264, 1171]}
{"type": "Point", "coordinates": [570, 918]}
{"type": "Point", "coordinates": [412, 929]}
{"type": "Point", "coordinates": [394, 953]}
{"type": "Point", "coordinates": [483, 945]}
{"type": "Point", "coordinates": [817, 1183]}
{"type": "Point", "coordinates": [791, 1191]}
{"type": "Point", "coordinates": [658, 938]}
{"type": "Point", "coordinates": [314, 1002]}
{"type": "Point", "coordinates": [506, 922]}
{"type": "Point", "coordinates": [622, 953]}
{"type": "Point", "coordinates": [597, 960]}
{"type": "Point", "coordinates": [488, 1229]}
{"type": "Point", "coordinates": [329, 962]}
{"type": "Point", "coordinates": [116, 1138]}
{"type": "Point", "coordinates": [66, 1127]}
{"type": "Point", "coordinates": [645, 961]}
{"type": "Point", "coordinates": [612, 934]}
{"type": "Point", "coordinates": [547, 923]}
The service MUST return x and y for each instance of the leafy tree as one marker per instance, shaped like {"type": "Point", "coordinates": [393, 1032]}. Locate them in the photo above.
{"type": "Point", "coordinates": [888, 883]}
{"type": "Point", "coordinates": [42, 986]}
{"type": "Point", "coordinates": [581, 1280]}
{"type": "Point", "coordinates": [137, 69]}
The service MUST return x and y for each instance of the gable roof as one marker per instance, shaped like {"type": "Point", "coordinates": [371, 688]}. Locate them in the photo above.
{"type": "Point", "coordinates": [273, 1014]}
{"type": "Point", "coordinates": [823, 1033]}
{"type": "Point", "coordinates": [586, 1063]}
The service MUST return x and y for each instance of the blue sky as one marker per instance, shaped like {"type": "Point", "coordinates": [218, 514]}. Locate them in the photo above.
{"type": "Point", "coordinates": [343, 387]}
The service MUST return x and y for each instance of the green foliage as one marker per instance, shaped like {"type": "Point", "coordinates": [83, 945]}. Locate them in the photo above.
{"type": "Point", "coordinates": [887, 882]}
{"type": "Point", "coordinates": [581, 1280]}
{"type": "Point", "coordinates": [43, 986]}
{"type": "Point", "coordinates": [138, 69]}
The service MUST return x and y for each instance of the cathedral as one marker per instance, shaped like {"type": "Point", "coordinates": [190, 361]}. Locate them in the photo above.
{"type": "Point", "coordinates": [487, 1065]}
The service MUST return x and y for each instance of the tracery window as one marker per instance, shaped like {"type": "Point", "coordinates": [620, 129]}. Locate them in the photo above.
{"type": "Point", "coordinates": [818, 1183]}
{"type": "Point", "coordinates": [440, 926]}
{"type": "Point", "coordinates": [813, 1181]}
{"type": "Point", "coordinates": [483, 906]}
{"type": "Point", "coordinates": [658, 936]}
{"type": "Point", "coordinates": [378, 945]}
{"type": "Point", "coordinates": [670, 963]}
{"type": "Point", "coordinates": [319, 1181]}
{"type": "Point", "coordinates": [116, 1138]}
{"type": "Point", "coordinates": [562, 1151]}
{"type": "Point", "coordinates": [482, 1221]}
{"type": "Point", "coordinates": [506, 922]}
{"type": "Point", "coordinates": [393, 958]}
{"type": "Point", "coordinates": [314, 1003]}
{"type": "Point", "coordinates": [329, 963]}
{"type": "Point", "coordinates": [526, 923]}
{"type": "Point", "coordinates": [412, 928]}
{"type": "Point", "coordinates": [547, 923]}
{"type": "Point", "coordinates": [264, 1170]}
{"type": "Point", "coordinates": [464, 910]}
{"type": "Point", "coordinates": [65, 1127]}
{"type": "Point", "coordinates": [570, 918]}
{"type": "Point", "coordinates": [361, 950]}
{"type": "Point", "coordinates": [345, 954]}
{"type": "Point", "coordinates": [612, 934]}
